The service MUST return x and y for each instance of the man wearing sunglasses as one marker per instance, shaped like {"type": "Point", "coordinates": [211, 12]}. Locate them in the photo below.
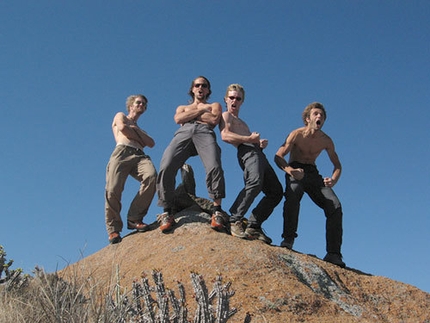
{"type": "Point", "coordinates": [196, 136]}
{"type": "Point", "coordinates": [258, 175]}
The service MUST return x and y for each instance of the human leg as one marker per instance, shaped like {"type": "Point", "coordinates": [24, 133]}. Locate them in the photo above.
{"type": "Point", "coordinates": [117, 170]}
{"type": "Point", "coordinates": [175, 155]}
{"type": "Point", "coordinates": [145, 173]}
{"type": "Point", "coordinates": [272, 190]}
{"type": "Point", "coordinates": [293, 194]}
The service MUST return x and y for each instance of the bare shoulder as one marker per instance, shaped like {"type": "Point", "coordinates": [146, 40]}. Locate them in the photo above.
{"type": "Point", "coordinates": [296, 134]}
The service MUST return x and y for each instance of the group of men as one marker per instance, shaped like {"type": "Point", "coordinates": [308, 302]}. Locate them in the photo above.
{"type": "Point", "coordinates": [196, 136]}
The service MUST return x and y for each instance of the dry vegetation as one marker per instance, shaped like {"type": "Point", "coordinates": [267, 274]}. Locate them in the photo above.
{"type": "Point", "coordinates": [155, 277]}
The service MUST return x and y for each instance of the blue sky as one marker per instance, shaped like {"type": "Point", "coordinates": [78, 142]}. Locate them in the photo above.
{"type": "Point", "coordinates": [67, 67]}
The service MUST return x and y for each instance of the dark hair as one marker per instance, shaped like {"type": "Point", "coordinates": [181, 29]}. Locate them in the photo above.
{"type": "Point", "coordinates": [191, 93]}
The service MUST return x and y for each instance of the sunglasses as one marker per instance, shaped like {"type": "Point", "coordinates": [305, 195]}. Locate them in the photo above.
{"type": "Point", "coordinates": [203, 85]}
{"type": "Point", "coordinates": [238, 98]}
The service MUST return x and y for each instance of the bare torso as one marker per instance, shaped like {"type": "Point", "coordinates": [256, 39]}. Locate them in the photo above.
{"type": "Point", "coordinates": [306, 147]}
{"type": "Point", "coordinates": [118, 123]}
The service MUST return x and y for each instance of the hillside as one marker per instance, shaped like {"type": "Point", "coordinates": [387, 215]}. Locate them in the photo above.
{"type": "Point", "coordinates": [273, 284]}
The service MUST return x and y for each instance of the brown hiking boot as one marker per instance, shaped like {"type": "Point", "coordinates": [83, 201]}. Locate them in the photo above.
{"type": "Point", "coordinates": [139, 226]}
{"type": "Point", "coordinates": [114, 237]}
{"type": "Point", "coordinates": [258, 234]}
{"type": "Point", "coordinates": [219, 221]}
{"type": "Point", "coordinates": [166, 222]}
{"type": "Point", "coordinates": [237, 229]}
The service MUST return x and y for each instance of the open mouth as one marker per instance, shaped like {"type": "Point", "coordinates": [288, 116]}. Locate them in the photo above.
{"type": "Point", "coordinates": [318, 122]}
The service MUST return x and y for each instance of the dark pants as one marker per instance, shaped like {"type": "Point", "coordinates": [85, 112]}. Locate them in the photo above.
{"type": "Point", "coordinates": [313, 184]}
{"type": "Point", "coordinates": [191, 139]}
{"type": "Point", "coordinates": [259, 176]}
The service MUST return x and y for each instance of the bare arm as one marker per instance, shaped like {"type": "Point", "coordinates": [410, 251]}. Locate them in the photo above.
{"type": "Point", "coordinates": [229, 135]}
{"type": "Point", "coordinates": [186, 113]}
{"type": "Point", "coordinates": [145, 139]}
{"type": "Point", "coordinates": [334, 158]}
{"type": "Point", "coordinates": [281, 162]}
{"type": "Point", "coordinates": [213, 115]}
{"type": "Point", "coordinates": [132, 132]}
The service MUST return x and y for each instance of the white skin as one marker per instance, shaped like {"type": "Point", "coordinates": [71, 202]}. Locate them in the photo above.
{"type": "Point", "coordinates": [200, 110]}
{"type": "Point", "coordinates": [304, 146]}
{"type": "Point", "coordinates": [126, 130]}
{"type": "Point", "coordinates": [233, 129]}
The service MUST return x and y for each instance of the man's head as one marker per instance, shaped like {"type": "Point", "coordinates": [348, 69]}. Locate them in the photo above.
{"type": "Point", "coordinates": [234, 97]}
{"type": "Point", "coordinates": [137, 99]}
{"type": "Point", "coordinates": [310, 112]}
{"type": "Point", "coordinates": [200, 87]}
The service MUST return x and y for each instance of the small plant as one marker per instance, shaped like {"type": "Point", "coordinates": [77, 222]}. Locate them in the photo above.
{"type": "Point", "coordinates": [10, 278]}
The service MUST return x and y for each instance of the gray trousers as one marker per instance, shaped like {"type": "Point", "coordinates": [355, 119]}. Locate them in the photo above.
{"type": "Point", "coordinates": [313, 184]}
{"type": "Point", "coordinates": [258, 176]}
{"type": "Point", "coordinates": [191, 139]}
{"type": "Point", "coordinates": [123, 162]}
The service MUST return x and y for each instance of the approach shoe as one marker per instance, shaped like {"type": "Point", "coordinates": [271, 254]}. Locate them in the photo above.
{"type": "Point", "coordinates": [287, 243]}
{"type": "Point", "coordinates": [139, 226]}
{"type": "Point", "coordinates": [114, 237]}
{"type": "Point", "coordinates": [237, 229]}
{"type": "Point", "coordinates": [218, 221]}
{"type": "Point", "coordinates": [258, 234]}
{"type": "Point", "coordinates": [166, 221]}
{"type": "Point", "coordinates": [334, 258]}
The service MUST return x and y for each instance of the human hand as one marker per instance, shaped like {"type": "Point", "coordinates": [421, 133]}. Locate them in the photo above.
{"type": "Point", "coordinates": [297, 173]}
{"type": "Point", "coordinates": [254, 137]}
{"type": "Point", "coordinates": [329, 182]}
{"type": "Point", "coordinates": [263, 143]}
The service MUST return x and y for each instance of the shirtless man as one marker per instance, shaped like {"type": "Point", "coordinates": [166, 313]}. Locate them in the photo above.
{"type": "Point", "coordinates": [258, 175]}
{"type": "Point", "coordinates": [195, 137]}
{"type": "Point", "coordinates": [127, 159]}
{"type": "Point", "coordinates": [304, 146]}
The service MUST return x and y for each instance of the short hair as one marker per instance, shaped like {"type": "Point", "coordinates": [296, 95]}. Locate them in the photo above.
{"type": "Point", "coordinates": [130, 100]}
{"type": "Point", "coordinates": [190, 91]}
{"type": "Point", "coordinates": [307, 111]}
{"type": "Point", "coordinates": [235, 87]}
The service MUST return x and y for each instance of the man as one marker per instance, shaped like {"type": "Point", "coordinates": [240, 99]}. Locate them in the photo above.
{"type": "Point", "coordinates": [128, 158]}
{"type": "Point", "coordinates": [258, 175]}
{"type": "Point", "coordinates": [304, 146]}
{"type": "Point", "coordinates": [196, 136]}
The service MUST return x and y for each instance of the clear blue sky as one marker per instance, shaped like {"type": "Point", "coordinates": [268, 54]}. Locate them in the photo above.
{"type": "Point", "coordinates": [67, 67]}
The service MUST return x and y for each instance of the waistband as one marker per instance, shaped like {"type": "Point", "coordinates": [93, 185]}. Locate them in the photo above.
{"type": "Point", "coordinates": [194, 121]}
{"type": "Point", "coordinates": [129, 146]}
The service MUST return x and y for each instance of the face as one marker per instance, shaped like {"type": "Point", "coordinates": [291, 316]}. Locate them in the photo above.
{"type": "Point", "coordinates": [316, 118]}
{"type": "Point", "coordinates": [233, 100]}
{"type": "Point", "coordinates": [200, 88]}
{"type": "Point", "coordinates": [138, 106]}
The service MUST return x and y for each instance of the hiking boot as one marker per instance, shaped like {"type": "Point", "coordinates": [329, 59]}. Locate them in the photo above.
{"type": "Point", "coordinates": [219, 221]}
{"type": "Point", "coordinates": [114, 237]}
{"type": "Point", "coordinates": [139, 226]}
{"type": "Point", "coordinates": [237, 229]}
{"type": "Point", "coordinates": [335, 258]}
{"type": "Point", "coordinates": [166, 221]}
{"type": "Point", "coordinates": [288, 243]}
{"type": "Point", "coordinates": [257, 234]}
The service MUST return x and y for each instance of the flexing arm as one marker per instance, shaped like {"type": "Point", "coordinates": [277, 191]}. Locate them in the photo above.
{"type": "Point", "coordinates": [229, 135]}
{"type": "Point", "coordinates": [334, 158]}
